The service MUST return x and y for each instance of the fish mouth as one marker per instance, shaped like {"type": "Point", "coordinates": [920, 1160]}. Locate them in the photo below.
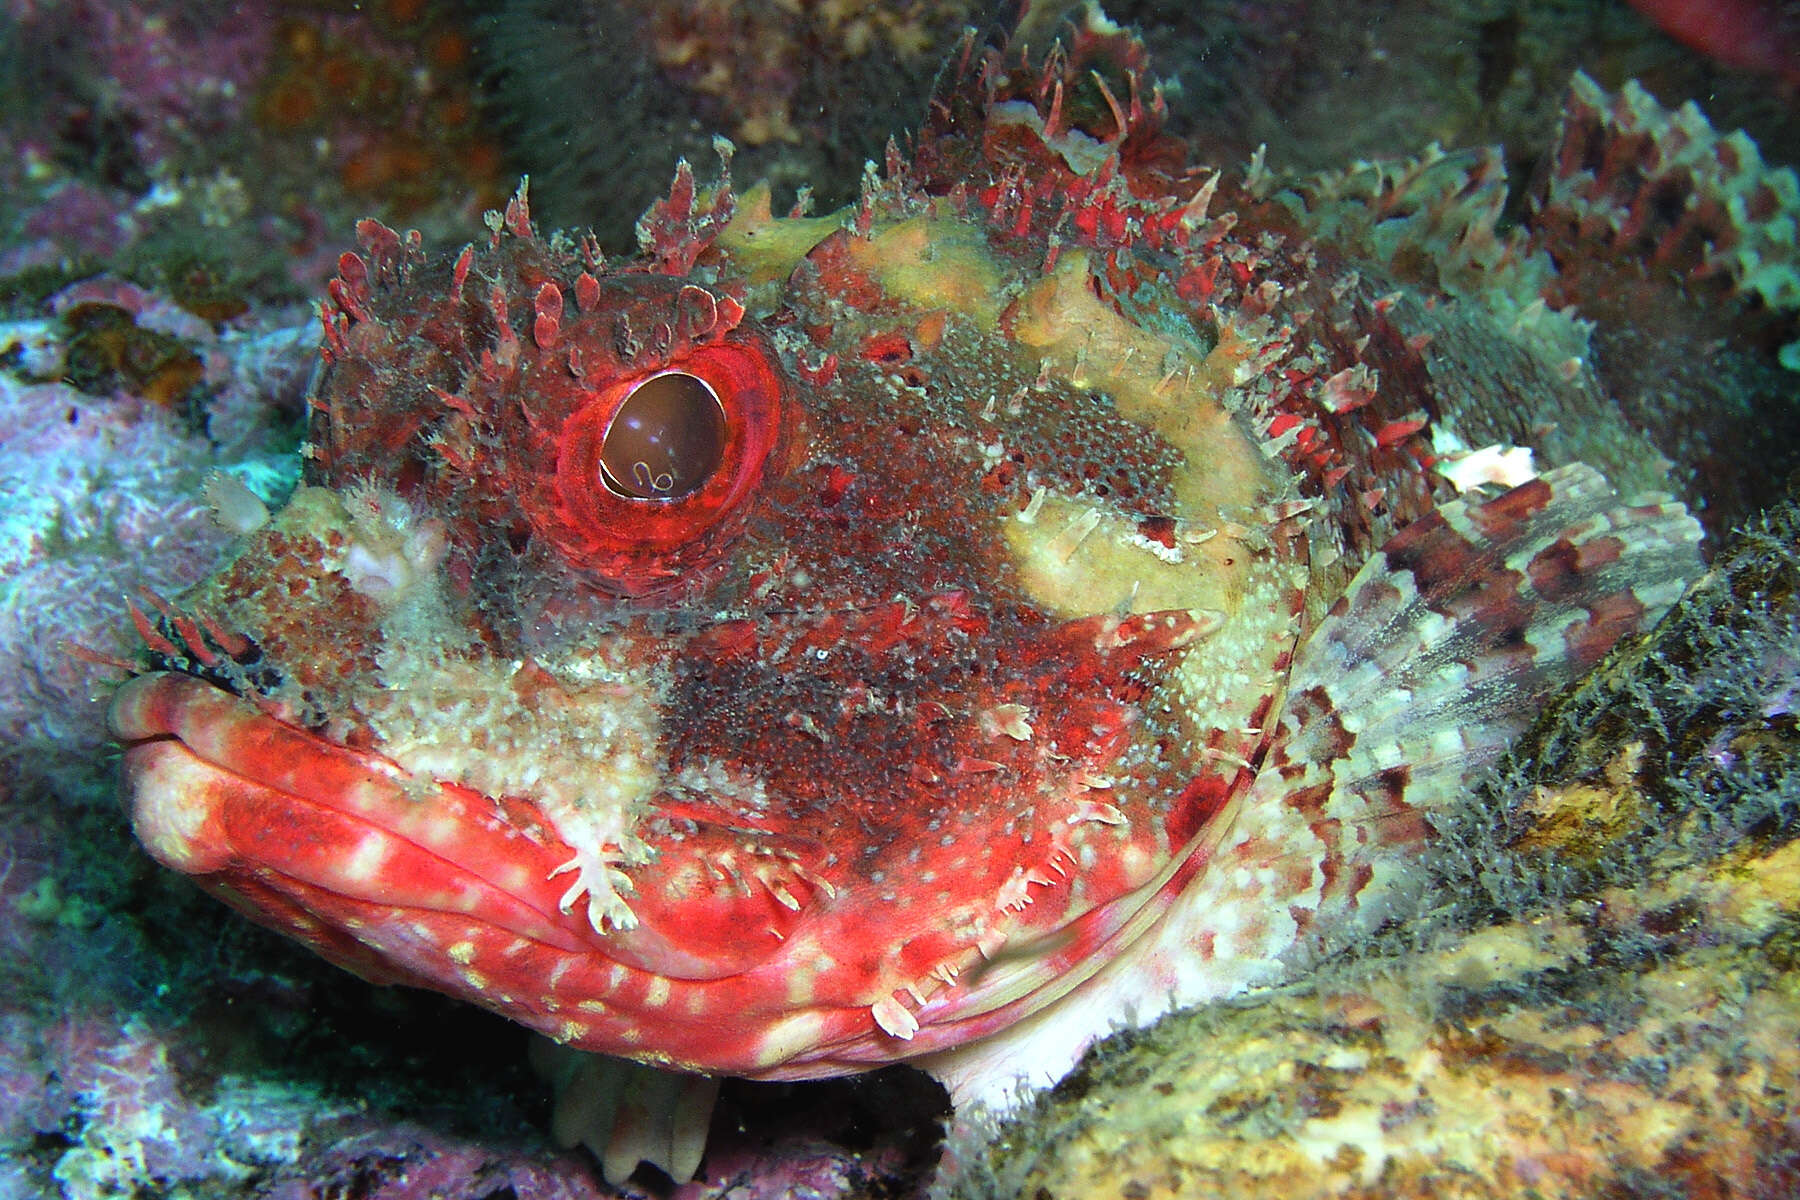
{"type": "Point", "coordinates": [313, 838]}
{"type": "Point", "coordinates": [742, 965]}
{"type": "Point", "coordinates": [403, 880]}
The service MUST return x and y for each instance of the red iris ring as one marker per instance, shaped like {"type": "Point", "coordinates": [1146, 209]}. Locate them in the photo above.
{"type": "Point", "coordinates": [637, 541]}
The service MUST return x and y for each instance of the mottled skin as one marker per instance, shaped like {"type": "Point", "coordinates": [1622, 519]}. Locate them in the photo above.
{"type": "Point", "coordinates": [1024, 638]}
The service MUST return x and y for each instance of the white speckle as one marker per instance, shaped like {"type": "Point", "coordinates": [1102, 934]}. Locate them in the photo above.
{"type": "Point", "coordinates": [364, 863]}
{"type": "Point", "coordinates": [1010, 720]}
{"type": "Point", "coordinates": [1076, 532]}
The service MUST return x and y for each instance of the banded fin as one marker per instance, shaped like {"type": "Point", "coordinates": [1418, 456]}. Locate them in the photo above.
{"type": "Point", "coordinates": [1432, 662]}
{"type": "Point", "coordinates": [1438, 655]}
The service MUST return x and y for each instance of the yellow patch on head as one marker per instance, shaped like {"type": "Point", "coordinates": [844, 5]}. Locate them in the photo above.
{"type": "Point", "coordinates": [934, 262]}
{"type": "Point", "coordinates": [1165, 386]}
{"type": "Point", "coordinates": [1077, 557]}
{"type": "Point", "coordinates": [768, 247]}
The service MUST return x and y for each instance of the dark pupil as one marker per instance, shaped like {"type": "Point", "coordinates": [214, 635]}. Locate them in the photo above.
{"type": "Point", "coordinates": [665, 441]}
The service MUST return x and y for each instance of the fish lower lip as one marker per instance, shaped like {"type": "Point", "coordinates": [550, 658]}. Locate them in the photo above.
{"type": "Point", "coordinates": [220, 789]}
{"type": "Point", "coordinates": [407, 881]}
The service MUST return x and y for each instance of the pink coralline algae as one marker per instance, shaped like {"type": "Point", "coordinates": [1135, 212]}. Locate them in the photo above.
{"type": "Point", "coordinates": [247, 132]}
{"type": "Point", "coordinates": [106, 493]}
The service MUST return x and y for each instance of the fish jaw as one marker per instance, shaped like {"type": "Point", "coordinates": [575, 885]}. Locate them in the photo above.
{"type": "Point", "coordinates": [739, 957]}
{"type": "Point", "coordinates": [405, 882]}
{"type": "Point", "coordinates": [314, 838]}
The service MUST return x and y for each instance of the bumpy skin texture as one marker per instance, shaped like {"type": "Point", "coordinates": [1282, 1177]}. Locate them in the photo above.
{"type": "Point", "coordinates": [1069, 608]}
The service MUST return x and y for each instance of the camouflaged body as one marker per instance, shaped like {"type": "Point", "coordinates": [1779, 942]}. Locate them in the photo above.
{"type": "Point", "coordinates": [1079, 608]}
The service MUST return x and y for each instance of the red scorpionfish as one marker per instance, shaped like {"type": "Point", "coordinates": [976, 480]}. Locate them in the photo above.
{"type": "Point", "coordinates": [938, 632]}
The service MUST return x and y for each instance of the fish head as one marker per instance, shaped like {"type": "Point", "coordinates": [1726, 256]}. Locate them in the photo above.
{"type": "Point", "coordinates": [814, 643]}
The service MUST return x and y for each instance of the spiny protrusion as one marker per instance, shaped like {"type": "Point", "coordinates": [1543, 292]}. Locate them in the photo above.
{"type": "Point", "coordinates": [1007, 720]}
{"type": "Point", "coordinates": [453, 401]}
{"type": "Point", "coordinates": [1349, 389]}
{"type": "Point", "coordinates": [587, 292]}
{"type": "Point", "coordinates": [387, 249]}
{"type": "Point", "coordinates": [1395, 432]}
{"type": "Point", "coordinates": [677, 230]}
{"type": "Point", "coordinates": [894, 1018]}
{"type": "Point", "coordinates": [662, 341]}
{"type": "Point", "coordinates": [518, 210]}
{"type": "Point", "coordinates": [350, 290]}
{"type": "Point", "coordinates": [625, 340]}
{"type": "Point", "coordinates": [151, 636]}
{"type": "Point", "coordinates": [546, 325]}
{"type": "Point", "coordinates": [459, 274]}
{"type": "Point", "coordinates": [194, 632]}
{"type": "Point", "coordinates": [697, 311]}
{"type": "Point", "coordinates": [506, 342]}
{"type": "Point", "coordinates": [591, 255]}
{"type": "Point", "coordinates": [1120, 122]}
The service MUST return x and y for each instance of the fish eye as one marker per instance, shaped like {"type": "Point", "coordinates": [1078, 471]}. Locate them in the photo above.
{"type": "Point", "coordinates": [665, 441]}
{"type": "Point", "coordinates": [655, 474]}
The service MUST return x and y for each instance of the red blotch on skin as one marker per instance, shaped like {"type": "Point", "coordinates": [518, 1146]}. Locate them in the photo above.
{"type": "Point", "coordinates": [887, 348]}
{"type": "Point", "coordinates": [839, 275]}
{"type": "Point", "coordinates": [1317, 713]}
{"type": "Point", "coordinates": [1160, 530]}
{"type": "Point", "coordinates": [1609, 619]}
{"type": "Point", "coordinates": [1198, 804]}
{"type": "Point", "coordinates": [1501, 517]}
{"type": "Point", "coordinates": [1563, 568]}
{"type": "Point", "coordinates": [836, 483]}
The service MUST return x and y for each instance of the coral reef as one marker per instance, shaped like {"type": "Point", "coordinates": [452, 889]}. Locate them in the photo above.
{"type": "Point", "coordinates": [117, 408]}
{"type": "Point", "coordinates": [243, 137]}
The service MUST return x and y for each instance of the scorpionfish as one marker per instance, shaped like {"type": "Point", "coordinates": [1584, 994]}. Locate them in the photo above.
{"type": "Point", "coordinates": [1043, 593]}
